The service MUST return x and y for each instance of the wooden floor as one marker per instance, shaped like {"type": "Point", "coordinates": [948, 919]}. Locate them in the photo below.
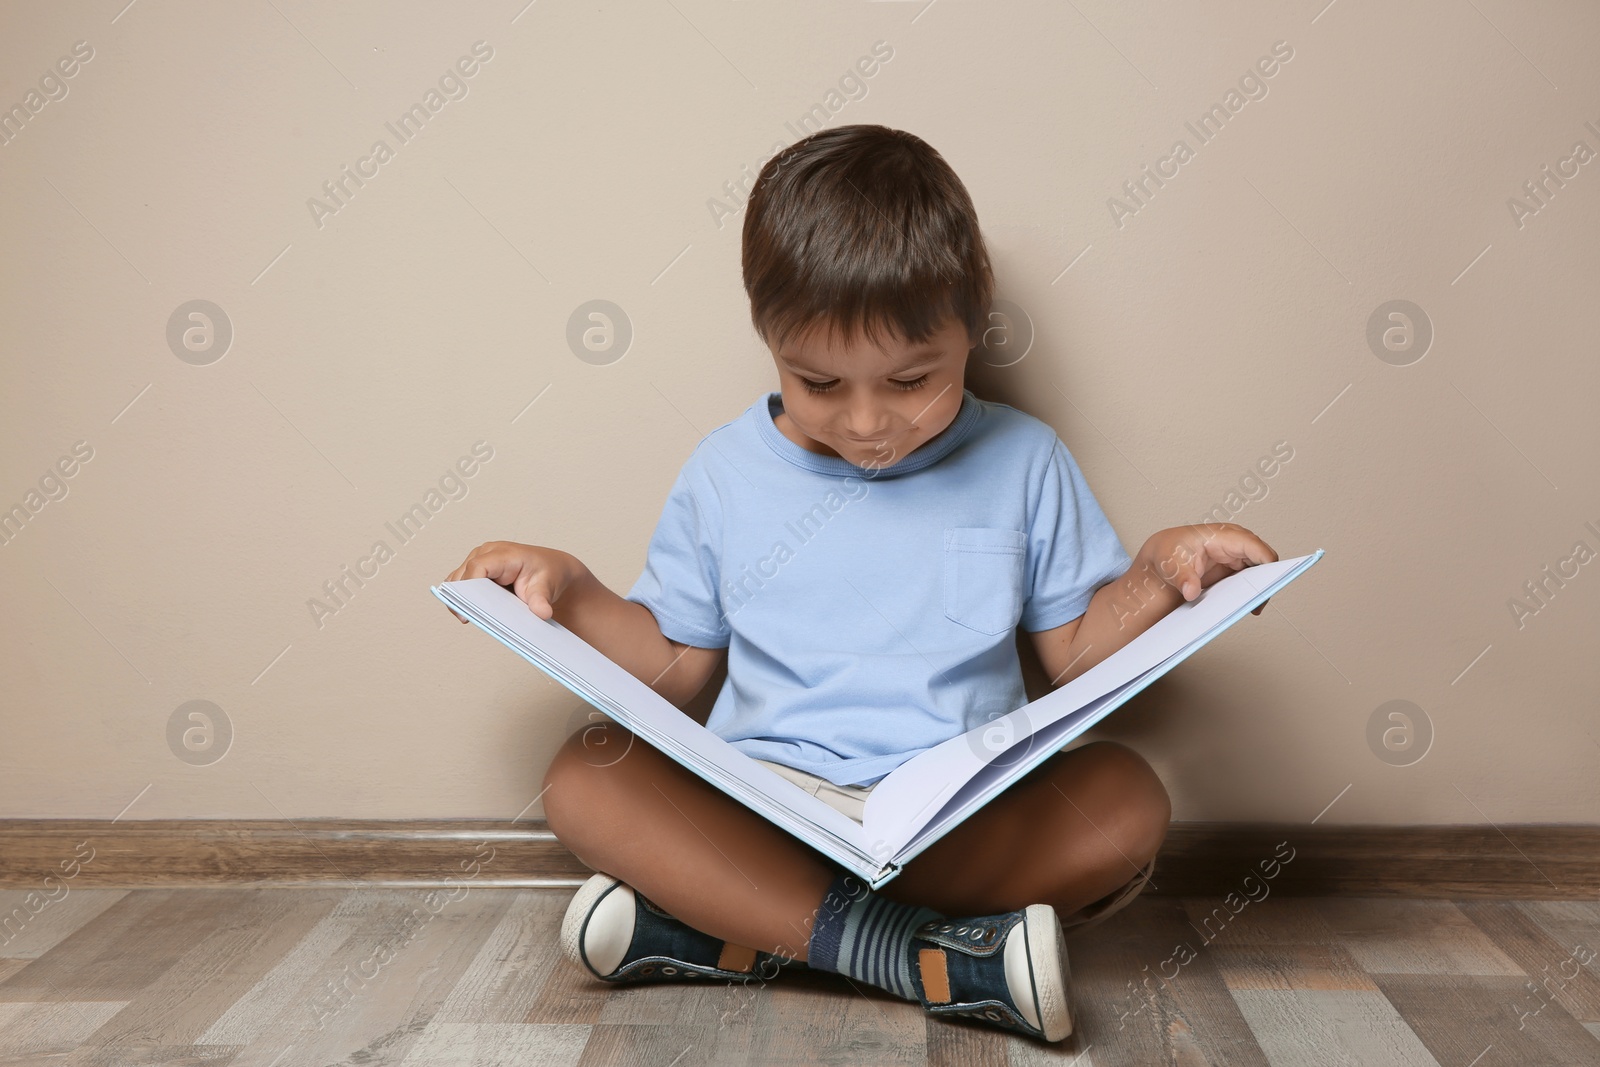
{"type": "Point", "coordinates": [283, 977]}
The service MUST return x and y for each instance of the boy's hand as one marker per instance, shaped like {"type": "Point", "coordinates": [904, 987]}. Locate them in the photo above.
{"type": "Point", "coordinates": [1189, 558]}
{"type": "Point", "coordinates": [537, 575]}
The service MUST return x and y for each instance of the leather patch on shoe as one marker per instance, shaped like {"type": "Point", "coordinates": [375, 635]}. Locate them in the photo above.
{"type": "Point", "coordinates": [935, 978]}
{"type": "Point", "coordinates": [736, 957]}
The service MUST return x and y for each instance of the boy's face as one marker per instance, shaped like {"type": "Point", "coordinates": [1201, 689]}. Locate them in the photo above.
{"type": "Point", "coordinates": [871, 406]}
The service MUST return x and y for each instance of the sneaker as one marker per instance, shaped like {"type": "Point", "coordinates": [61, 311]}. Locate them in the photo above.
{"type": "Point", "coordinates": [618, 935]}
{"type": "Point", "coordinates": [1008, 970]}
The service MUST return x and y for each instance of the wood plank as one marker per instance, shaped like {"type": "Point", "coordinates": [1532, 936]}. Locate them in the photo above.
{"type": "Point", "coordinates": [697, 1003]}
{"type": "Point", "coordinates": [34, 930]}
{"type": "Point", "coordinates": [1316, 1027]}
{"type": "Point", "coordinates": [1148, 991]}
{"type": "Point", "coordinates": [257, 1011]}
{"type": "Point", "coordinates": [1273, 920]}
{"type": "Point", "coordinates": [811, 1017]}
{"type": "Point", "coordinates": [1574, 924]}
{"type": "Point", "coordinates": [1549, 966]}
{"type": "Point", "coordinates": [497, 1045]}
{"type": "Point", "coordinates": [715, 1023]}
{"type": "Point", "coordinates": [967, 1043]}
{"type": "Point", "coordinates": [1075, 1051]}
{"type": "Point", "coordinates": [1289, 967]}
{"type": "Point", "coordinates": [32, 1031]}
{"type": "Point", "coordinates": [502, 983]}
{"type": "Point", "coordinates": [1458, 1017]}
{"type": "Point", "coordinates": [155, 1056]}
{"type": "Point", "coordinates": [120, 951]}
{"type": "Point", "coordinates": [1538, 862]}
{"type": "Point", "coordinates": [256, 929]}
{"type": "Point", "coordinates": [625, 1045]}
{"type": "Point", "coordinates": [569, 994]}
{"type": "Point", "coordinates": [378, 993]}
{"type": "Point", "coordinates": [1391, 936]}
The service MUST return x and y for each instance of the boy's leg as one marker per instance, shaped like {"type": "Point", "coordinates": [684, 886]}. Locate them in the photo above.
{"type": "Point", "coordinates": [722, 870]}
{"type": "Point", "coordinates": [1076, 829]}
{"type": "Point", "coordinates": [625, 809]}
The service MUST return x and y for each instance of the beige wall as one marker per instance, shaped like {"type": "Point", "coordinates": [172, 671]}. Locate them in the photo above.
{"type": "Point", "coordinates": [373, 347]}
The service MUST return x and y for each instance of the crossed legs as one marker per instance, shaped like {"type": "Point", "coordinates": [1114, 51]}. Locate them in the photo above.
{"type": "Point", "coordinates": [1075, 830]}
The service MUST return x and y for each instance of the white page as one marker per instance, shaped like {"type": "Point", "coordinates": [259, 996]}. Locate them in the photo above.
{"type": "Point", "coordinates": [916, 791]}
{"type": "Point", "coordinates": [591, 675]}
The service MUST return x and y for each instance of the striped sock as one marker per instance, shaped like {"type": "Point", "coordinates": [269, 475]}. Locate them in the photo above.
{"type": "Point", "coordinates": [862, 935]}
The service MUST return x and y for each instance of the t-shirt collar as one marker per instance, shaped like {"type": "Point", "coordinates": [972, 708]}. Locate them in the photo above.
{"type": "Point", "coordinates": [928, 453]}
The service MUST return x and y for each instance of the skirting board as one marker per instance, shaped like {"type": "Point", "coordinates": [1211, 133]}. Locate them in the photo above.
{"type": "Point", "coordinates": [1524, 862]}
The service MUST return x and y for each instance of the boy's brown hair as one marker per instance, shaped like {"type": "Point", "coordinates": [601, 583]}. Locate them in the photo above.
{"type": "Point", "coordinates": [863, 228]}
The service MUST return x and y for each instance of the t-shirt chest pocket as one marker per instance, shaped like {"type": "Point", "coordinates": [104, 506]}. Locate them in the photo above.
{"type": "Point", "coordinates": [984, 577]}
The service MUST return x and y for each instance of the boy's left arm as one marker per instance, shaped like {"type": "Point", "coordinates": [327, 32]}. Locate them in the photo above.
{"type": "Point", "coordinates": [1173, 566]}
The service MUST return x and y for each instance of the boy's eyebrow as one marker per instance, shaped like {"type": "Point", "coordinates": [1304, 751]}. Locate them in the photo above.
{"type": "Point", "coordinates": [916, 360]}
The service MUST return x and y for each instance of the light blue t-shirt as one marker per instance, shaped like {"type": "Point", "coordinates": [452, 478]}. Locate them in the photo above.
{"type": "Point", "coordinates": [870, 614]}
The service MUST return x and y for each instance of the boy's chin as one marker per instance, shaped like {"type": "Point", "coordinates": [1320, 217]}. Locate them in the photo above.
{"type": "Point", "coordinates": [875, 456]}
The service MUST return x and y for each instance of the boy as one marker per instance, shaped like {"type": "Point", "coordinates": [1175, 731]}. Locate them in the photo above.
{"type": "Point", "coordinates": [863, 544]}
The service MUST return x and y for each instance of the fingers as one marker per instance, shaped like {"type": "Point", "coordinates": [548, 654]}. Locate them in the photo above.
{"type": "Point", "coordinates": [1205, 567]}
{"type": "Point", "coordinates": [489, 560]}
{"type": "Point", "coordinates": [1225, 549]}
{"type": "Point", "coordinates": [533, 589]}
{"type": "Point", "coordinates": [1241, 549]}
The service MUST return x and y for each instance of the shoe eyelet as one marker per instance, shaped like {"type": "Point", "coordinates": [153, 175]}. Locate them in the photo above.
{"type": "Point", "coordinates": [691, 974]}
{"type": "Point", "coordinates": [669, 970]}
{"type": "Point", "coordinates": [648, 969]}
{"type": "Point", "coordinates": [961, 931]}
{"type": "Point", "coordinates": [992, 1015]}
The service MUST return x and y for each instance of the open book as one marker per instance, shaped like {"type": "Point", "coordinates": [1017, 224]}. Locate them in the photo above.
{"type": "Point", "coordinates": [922, 799]}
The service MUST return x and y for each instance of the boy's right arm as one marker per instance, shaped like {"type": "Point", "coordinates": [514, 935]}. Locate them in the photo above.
{"type": "Point", "coordinates": [556, 584]}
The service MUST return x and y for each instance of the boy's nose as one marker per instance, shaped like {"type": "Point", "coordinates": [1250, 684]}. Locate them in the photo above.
{"type": "Point", "coordinates": [866, 425]}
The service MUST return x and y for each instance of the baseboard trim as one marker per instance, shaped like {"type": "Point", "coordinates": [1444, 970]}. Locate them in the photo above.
{"type": "Point", "coordinates": [1527, 862]}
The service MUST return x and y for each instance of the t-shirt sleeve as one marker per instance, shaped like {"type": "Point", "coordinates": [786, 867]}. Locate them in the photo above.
{"type": "Point", "coordinates": [682, 573]}
{"type": "Point", "coordinates": [1072, 549]}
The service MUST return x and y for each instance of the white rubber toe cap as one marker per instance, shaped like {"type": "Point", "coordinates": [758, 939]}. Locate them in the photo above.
{"type": "Point", "coordinates": [1037, 973]}
{"type": "Point", "coordinates": [598, 926]}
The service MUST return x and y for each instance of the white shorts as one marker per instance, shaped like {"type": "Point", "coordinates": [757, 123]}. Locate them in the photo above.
{"type": "Point", "coordinates": [848, 800]}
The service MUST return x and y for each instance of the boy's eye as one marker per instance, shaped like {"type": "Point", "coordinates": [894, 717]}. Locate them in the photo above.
{"type": "Point", "coordinates": [825, 387]}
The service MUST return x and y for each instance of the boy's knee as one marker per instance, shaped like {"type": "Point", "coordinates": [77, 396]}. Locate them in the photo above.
{"type": "Point", "coordinates": [579, 773]}
{"type": "Point", "coordinates": [1140, 799]}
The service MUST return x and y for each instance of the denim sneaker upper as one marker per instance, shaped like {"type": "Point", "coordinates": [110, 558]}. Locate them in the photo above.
{"type": "Point", "coordinates": [620, 935]}
{"type": "Point", "coordinates": [1009, 970]}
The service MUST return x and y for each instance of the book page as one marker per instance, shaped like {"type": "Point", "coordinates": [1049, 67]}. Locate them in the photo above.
{"type": "Point", "coordinates": [915, 792]}
{"type": "Point", "coordinates": [588, 673]}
